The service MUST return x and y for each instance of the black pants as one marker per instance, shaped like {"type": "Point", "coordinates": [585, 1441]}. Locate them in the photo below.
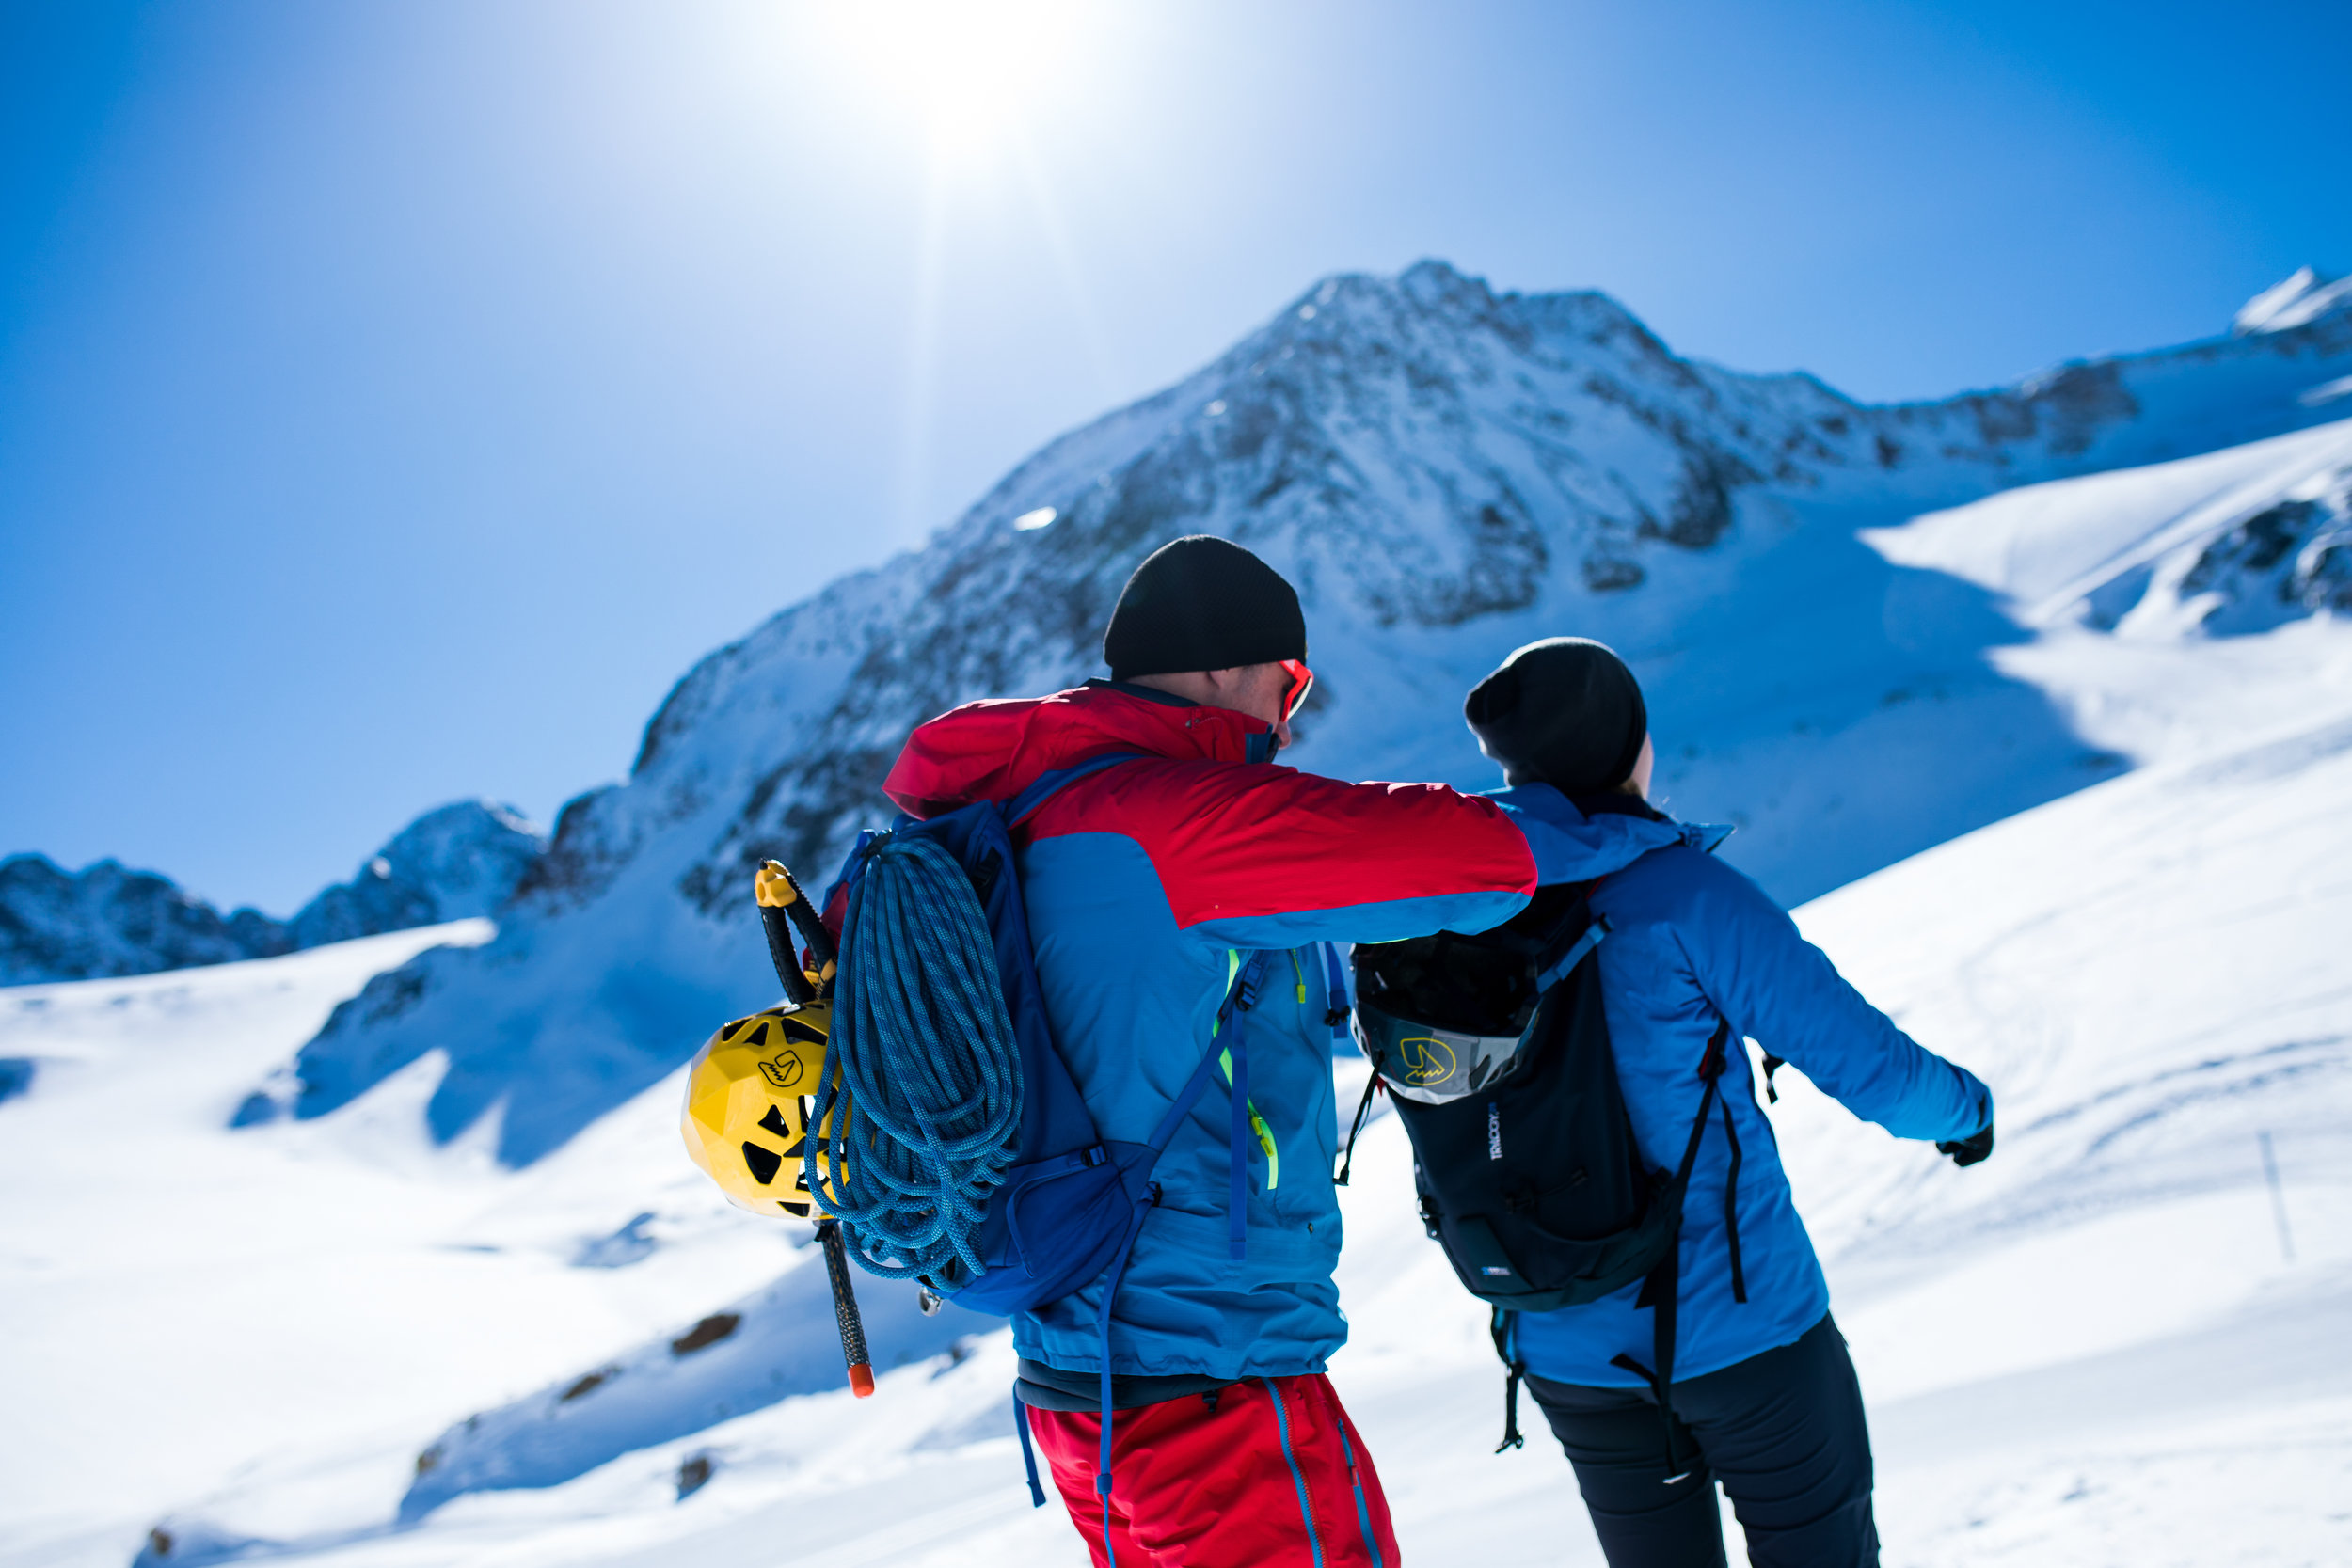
{"type": "Point", "coordinates": [1783, 1431]}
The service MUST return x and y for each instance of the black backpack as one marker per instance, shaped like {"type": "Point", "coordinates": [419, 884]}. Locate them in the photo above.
{"type": "Point", "coordinates": [1495, 1050]}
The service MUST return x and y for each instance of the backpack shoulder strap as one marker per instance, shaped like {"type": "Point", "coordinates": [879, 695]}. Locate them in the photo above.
{"type": "Point", "coordinates": [1240, 997]}
{"type": "Point", "coordinates": [1336, 1005]}
{"type": "Point", "coordinates": [1049, 784]}
{"type": "Point", "coordinates": [1565, 944]}
{"type": "Point", "coordinates": [1661, 1291]}
{"type": "Point", "coordinates": [1559, 968]}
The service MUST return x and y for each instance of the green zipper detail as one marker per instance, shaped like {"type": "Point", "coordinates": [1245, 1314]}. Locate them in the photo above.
{"type": "Point", "coordinates": [1225, 1060]}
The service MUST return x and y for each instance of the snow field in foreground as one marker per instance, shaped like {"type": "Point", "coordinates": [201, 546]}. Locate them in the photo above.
{"type": "Point", "coordinates": [184, 1303]}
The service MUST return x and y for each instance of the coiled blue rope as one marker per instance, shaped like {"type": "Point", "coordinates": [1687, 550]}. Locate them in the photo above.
{"type": "Point", "coordinates": [923, 1048]}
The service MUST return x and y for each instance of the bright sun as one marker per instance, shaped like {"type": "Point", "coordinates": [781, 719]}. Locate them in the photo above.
{"type": "Point", "coordinates": [968, 71]}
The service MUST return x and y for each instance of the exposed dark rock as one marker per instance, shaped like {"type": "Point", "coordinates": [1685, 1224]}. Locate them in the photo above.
{"type": "Point", "coordinates": [1611, 573]}
{"type": "Point", "coordinates": [704, 1334]}
{"type": "Point", "coordinates": [2290, 559]}
{"type": "Point", "coordinates": [588, 1385]}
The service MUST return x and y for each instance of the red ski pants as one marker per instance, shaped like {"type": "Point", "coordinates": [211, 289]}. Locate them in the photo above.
{"type": "Point", "coordinates": [1271, 1475]}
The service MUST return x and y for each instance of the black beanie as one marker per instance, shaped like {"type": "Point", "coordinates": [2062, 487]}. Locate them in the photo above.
{"type": "Point", "coordinates": [1566, 712]}
{"type": "Point", "coordinates": [1200, 603]}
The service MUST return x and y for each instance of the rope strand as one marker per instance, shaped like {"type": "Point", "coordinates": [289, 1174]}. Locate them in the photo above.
{"type": "Point", "coordinates": [922, 1055]}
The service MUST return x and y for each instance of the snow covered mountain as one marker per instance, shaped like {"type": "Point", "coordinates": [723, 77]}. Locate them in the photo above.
{"type": "Point", "coordinates": [329, 1344]}
{"type": "Point", "coordinates": [373, 1336]}
{"type": "Point", "coordinates": [1446, 473]}
{"type": "Point", "coordinates": [455, 862]}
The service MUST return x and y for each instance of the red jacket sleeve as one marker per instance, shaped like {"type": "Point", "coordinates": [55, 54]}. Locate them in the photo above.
{"type": "Point", "coordinates": [1273, 857]}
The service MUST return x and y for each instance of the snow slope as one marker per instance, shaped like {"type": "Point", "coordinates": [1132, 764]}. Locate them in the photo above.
{"type": "Point", "coordinates": [1446, 472]}
{"type": "Point", "coordinates": [2090, 1349]}
{"type": "Point", "coordinates": [181, 1303]}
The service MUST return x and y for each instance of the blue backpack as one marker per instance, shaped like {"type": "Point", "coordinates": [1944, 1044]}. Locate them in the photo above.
{"type": "Point", "coordinates": [965, 1156]}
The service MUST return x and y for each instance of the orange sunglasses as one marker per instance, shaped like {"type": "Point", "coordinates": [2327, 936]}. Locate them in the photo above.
{"type": "Point", "coordinates": [1302, 682]}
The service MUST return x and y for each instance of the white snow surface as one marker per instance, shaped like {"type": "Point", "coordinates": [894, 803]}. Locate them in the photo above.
{"type": "Point", "coordinates": [336, 1342]}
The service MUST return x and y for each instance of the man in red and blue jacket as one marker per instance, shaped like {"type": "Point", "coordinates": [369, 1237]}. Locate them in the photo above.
{"type": "Point", "coordinates": [1147, 884]}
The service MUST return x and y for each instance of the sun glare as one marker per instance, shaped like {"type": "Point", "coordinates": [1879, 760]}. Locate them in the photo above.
{"type": "Point", "coordinates": [969, 72]}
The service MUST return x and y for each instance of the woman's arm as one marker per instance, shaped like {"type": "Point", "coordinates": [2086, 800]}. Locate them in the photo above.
{"type": "Point", "coordinates": [1781, 992]}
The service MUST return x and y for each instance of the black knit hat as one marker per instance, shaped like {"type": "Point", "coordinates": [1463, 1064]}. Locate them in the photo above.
{"type": "Point", "coordinates": [1566, 712]}
{"type": "Point", "coordinates": [1200, 603]}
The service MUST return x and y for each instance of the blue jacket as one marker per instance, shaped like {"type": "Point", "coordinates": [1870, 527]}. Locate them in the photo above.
{"type": "Point", "coordinates": [1692, 940]}
{"type": "Point", "coordinates": [1144, 882]}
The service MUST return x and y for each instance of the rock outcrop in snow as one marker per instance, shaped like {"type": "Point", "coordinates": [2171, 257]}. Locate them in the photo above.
{"type": "Point", "coordinates": [454, 863]}
{"type": "Point", "coordinates": [2227, 542]}
{"type": "Point", "coordinates": [2293, 557]}
{"type": "Point", "coordinates": [749, 1356]}
{"type": "Point", "coordinates": [1445, 472]}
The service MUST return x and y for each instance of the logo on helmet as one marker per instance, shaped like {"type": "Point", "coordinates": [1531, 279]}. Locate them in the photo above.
{"type": "Point", "coordinates": [784, 1071]}
{"type": "Point", "coordinates": [1424, 1060]}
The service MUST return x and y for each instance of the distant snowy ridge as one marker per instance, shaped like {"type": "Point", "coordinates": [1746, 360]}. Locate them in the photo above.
{"type": "Point", "coordinates": [2298, 300]}
{"type": "Point", "coordinates": [108, 920]}
{"type": "Point", "coordinates": [1445, 472]}
{"type": "Point", "coordinates": [455, 862]}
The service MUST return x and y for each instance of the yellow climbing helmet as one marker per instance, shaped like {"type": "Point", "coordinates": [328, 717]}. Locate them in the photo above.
{"type": "Point", "coordinates": [748, 1095]}
{"type": "Point", "coordinates": [750, 1088]}
{"type": "Point", "coordinates": [747, 1100]}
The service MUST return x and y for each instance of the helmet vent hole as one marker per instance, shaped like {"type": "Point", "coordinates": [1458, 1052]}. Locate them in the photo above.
{"type": "Point", "coordinates": [763, 1162]}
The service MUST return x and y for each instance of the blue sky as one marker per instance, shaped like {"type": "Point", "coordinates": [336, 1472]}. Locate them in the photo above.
{"type": "Point", "coordinates": [397, 396]}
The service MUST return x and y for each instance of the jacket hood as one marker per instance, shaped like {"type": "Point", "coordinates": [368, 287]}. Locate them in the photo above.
{"type": "Point", "coordinates": [1570, 845]}
{"type": "Point", "coordinates": [993, 750]}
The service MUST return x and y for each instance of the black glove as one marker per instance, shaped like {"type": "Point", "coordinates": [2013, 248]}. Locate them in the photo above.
{"type": "Point", "coordinates": [1968, 1150]}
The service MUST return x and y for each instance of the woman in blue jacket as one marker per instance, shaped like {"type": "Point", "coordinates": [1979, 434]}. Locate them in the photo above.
{"type": "Point", "coordinates": [1764, 1397]}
